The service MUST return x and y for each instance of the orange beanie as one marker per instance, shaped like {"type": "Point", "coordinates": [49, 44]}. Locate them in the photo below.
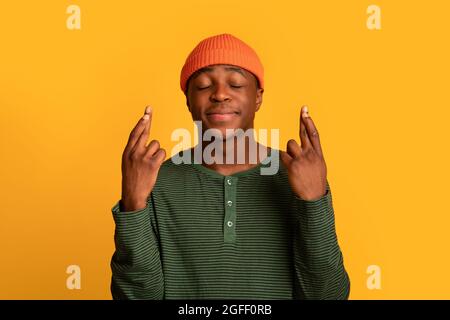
{"type": "Point", "coordinates": [222, 49]}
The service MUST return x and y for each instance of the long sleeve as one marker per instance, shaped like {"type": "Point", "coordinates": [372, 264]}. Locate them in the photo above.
{"type": "Point", "coordinates": [318, 261]}
{"type": "Point", "coordinates": [136, 264]}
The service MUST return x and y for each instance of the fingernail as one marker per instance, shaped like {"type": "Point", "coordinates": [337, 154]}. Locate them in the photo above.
{"type": "Point", "coordinates": [305, 112]}
{"type": "Point", "coordinates": [148, 109]}
{"type": "Point", "coordinates": [145, 117]}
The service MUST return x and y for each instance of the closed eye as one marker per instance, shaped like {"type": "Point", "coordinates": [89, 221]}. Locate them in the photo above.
{"type": "Point", "coordinates": [233, 86]}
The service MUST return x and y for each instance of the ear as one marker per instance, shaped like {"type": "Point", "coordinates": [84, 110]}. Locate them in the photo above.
{"type": "Point", "coordinates": [259, 98]}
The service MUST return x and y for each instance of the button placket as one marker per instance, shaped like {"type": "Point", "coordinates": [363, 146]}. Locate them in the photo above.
{"type": "Point", "coordinates": [229, 223]}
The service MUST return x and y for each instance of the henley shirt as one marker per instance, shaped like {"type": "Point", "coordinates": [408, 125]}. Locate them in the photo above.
{"type": "Point", "coordinates": [204, 235]}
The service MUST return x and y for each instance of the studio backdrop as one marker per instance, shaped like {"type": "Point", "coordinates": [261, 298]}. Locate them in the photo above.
{"type": "Point", "coordinates": [75, 77]}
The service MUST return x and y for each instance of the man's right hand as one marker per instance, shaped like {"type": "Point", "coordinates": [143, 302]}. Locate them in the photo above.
{"type": "Point", "coordinates": [140, 165]}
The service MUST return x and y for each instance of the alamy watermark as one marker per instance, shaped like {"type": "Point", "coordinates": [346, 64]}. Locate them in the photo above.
{"type": "Point", "coordinates": [239, 146]}
{"type": "Point", "coordinates": [373, 281]}
{"type": "Point", "coordinates": [73, 281]}
{"type": "Point", "coordinates": [374, 19]}
{"type": "Point", "coordinates": [73, 22]}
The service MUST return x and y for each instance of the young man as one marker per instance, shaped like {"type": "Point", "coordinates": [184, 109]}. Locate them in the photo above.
{"type": "Point", "coordinates": [216, 229]}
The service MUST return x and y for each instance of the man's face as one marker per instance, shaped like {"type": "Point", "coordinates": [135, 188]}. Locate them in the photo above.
{"type": "Point", "coordinates": [223, 97]}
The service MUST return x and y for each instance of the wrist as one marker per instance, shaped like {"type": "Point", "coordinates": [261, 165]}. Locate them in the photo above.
{"type": "Point", "coordinates": [130, 205]}
{"type": "Point", "coordinates": [312, 197]}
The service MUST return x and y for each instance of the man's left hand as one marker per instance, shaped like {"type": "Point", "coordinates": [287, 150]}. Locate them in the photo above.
{"type": "Point", "coordinates": [307, 171]}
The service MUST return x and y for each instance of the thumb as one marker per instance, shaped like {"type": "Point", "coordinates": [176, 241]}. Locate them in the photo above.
{"type": "Point", "coordinates": [159, 156]}
{"type": "Point", "coordinates": [285, 158]}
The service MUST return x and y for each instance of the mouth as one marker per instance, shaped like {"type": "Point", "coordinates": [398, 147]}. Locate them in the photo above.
{"type": "Point", "coordinates": [222, 116]}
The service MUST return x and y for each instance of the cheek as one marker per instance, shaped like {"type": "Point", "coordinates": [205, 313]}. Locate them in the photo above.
{"type": "Point", "coordinates": [249, 103]}
{"type": "Point", "coordinates": [197, 104]}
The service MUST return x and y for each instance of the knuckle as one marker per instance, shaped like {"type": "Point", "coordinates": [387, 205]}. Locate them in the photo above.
{"type": "Point", "coordinates": [310, 155]}
{"type": "Point", "coordinates": [162, 155]}
{"type": "Point", "coordinates": [309, 152]}
{"type": "Point", "coordinates": [147, 160]}
{"type": "Point", "coordinates": [134, 156]}
{"type": "Point", "coordinates": [152, 163]}
{"type": "Point", "coordinates": [154, 143]}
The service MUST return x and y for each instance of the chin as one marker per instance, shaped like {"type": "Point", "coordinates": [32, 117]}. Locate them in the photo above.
{"type": "Point", "coordinates": [222, 130]}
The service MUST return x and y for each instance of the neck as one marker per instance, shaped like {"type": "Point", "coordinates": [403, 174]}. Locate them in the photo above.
{"type": "Point", "coordinates": [233, 154]}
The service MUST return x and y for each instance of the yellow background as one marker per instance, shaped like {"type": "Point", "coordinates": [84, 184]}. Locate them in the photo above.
{"type": "Point", "coordinates": [69, 99]}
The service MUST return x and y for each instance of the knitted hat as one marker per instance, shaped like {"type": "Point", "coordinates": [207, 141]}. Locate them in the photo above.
{"type": "Point", "coordinates": [222, 49]}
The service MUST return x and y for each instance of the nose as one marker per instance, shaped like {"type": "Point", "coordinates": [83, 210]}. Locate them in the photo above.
{"type": "Point", "coordinates": [220, 93]}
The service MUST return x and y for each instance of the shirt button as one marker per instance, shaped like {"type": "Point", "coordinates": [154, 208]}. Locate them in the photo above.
{"type": "Point", "coordinates": [230, 223]}
{"type": "Point", "coordinates": [229, 182]}
{"type": "Point", "coordinates": [230, 203]}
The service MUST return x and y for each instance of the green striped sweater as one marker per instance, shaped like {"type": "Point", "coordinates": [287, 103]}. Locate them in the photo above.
{"type": "Point", "coordinates": [204, 235]}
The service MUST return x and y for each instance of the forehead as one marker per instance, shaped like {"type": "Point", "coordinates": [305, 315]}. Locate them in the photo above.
{"type": "Point", "coordinates": [225, 67]}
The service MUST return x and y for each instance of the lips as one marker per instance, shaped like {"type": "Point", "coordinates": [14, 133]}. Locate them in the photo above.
{"type": "Point", "coordinates": [221, 116]}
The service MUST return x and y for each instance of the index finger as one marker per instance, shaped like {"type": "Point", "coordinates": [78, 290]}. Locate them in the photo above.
{"type": "Point", "coordinates": [148, 123]}
{"type": "Point", "coordinates": [306, 143]}
{"type": "Point", "coordinates": [142, 125]}
{"type": "Point", "coordinates": [313, 134]}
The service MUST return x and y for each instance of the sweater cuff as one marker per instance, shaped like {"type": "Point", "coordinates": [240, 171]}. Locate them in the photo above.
{"type": "Point", "coordinates": [124, 217]}
{"type": "Point", "coordinates": [318, 210]}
